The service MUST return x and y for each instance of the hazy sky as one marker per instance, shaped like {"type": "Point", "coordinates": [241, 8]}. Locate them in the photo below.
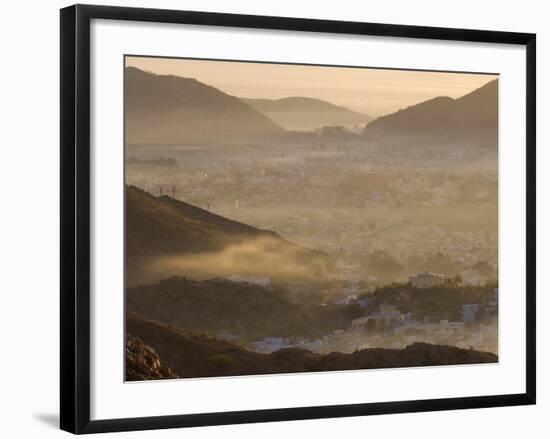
{"type": "Point", "coordinates": [372, 91]}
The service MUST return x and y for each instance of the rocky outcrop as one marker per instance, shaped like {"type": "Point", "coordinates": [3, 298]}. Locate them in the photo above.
{"type": "Point", "coordinates": [143, 363]}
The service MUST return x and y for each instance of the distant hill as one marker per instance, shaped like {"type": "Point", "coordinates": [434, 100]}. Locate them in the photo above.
{"type": "Point", "coordinates": [171, 231]}
{"type": "Point", "coordinates": [306, 114]}
{"type": "Point", "coordinates": [470, 120]}
{"type": "Point", "coordinates": [167, 109]}
{"type": "Point", "coordinates": [192, 355]}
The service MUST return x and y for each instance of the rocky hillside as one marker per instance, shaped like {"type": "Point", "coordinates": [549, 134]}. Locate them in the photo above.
{"type": "Point", "coordinates": [143, 363]}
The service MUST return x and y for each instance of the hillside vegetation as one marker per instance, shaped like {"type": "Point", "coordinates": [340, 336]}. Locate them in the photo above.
{"type": "Point", "coordinates": [443, 302]}
{"type": "Point", "coordinates": [247, 310]}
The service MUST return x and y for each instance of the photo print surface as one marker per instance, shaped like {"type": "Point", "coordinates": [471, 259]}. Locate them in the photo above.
{"type": "Point", "coordinates": [296, 218]}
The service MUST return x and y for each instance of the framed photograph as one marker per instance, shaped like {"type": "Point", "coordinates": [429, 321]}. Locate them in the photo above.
{"type": "Point", "coordinates": [268, 218]}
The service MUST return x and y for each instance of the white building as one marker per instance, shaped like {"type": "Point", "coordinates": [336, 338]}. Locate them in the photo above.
{"type": "Point", "coordinates": [472, 278]}
{"type": "Point", "coordinates": [313, 346]}
{"type": "Point", "coordinates": [262, 281]}
{"type": "Point", "coordinates": [372, 322]}
{"type": "Point", "coordinates": [426, 279]}
{"type": "Point", "coordinates": [270, 344]}
{"type": "Point", "coordinates": [450, 328]}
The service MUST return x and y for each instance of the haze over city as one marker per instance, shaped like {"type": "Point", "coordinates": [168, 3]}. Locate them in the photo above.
{"type": "Point", "coordinates": [274, 218]}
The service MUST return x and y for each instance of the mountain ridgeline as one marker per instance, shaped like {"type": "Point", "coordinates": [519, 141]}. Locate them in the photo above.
{"type": "Point", "coordinates": [168, 109]}
{"type": "Point", "coordinates": [306, 114]}
{"type": "Point", "coordinates": [471, 120]}
{"type": "Point", "coordinates": [172, 110]}
{"type": "Point", "coordinates": [166, 237]}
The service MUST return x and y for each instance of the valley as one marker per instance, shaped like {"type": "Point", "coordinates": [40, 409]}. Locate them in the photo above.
{"type": "Point", "coordinates": [297, 235]}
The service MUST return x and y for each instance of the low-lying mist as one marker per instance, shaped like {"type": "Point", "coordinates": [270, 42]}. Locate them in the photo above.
{"type": "Point", "coordinates": [260, 257]}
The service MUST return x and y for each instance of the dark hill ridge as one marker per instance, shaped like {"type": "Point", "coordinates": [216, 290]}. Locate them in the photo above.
{"type": "Point", "coordinates": [192, 355]}
{"type": "Point", "coordinates": [159, 227]}
{"type": "Point", "coordinates": [245, 309]}
{"type": "Point", "coordinates": [472, 118]}
{"type": "Point", "coordinates": [168, 109]}
{"type": "Point", "coordinates": [306, 114]}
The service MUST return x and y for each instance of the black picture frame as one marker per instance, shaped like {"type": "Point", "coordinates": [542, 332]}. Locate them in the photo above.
{"type": "Point", "coordinates": [75, 217]}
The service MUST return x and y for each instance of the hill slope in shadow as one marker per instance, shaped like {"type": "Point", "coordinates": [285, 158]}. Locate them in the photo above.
{"type": "Point", "coordinates": [471, 119]}
{"type": "Point", "coordinates": [192, 355]}
{"type": "Point", "coordinates": [163, 233]}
